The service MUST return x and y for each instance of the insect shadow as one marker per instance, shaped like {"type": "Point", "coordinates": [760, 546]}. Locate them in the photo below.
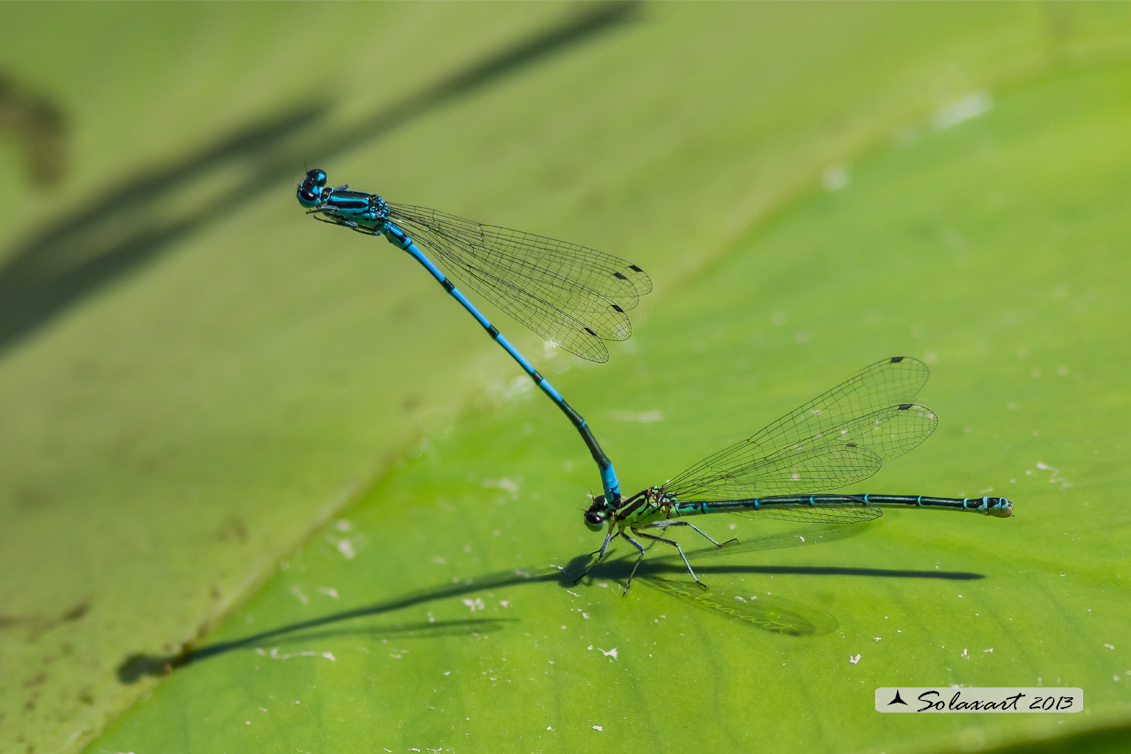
{"type": "Point", "coordinates": [663, 572]}
{"type": "Point", "coordinates": [668, 574]}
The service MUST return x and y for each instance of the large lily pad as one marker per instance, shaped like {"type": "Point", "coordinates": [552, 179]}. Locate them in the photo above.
{"type": "Point", "coordinates": [946, 183]}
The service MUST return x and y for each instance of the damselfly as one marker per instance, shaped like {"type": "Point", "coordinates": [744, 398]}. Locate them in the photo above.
{"type": "Point", "coordinates": [572, 296]}
{"type": "Point", "coordinates": [839, 438]}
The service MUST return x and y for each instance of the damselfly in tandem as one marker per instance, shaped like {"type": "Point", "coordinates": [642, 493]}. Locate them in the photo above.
{"type": "Point", "coordinates": [839, 438]}
{"type": "Point", "coordinates": [573, 296]}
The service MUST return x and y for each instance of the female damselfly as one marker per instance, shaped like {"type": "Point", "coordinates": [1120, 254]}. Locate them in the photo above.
{"type": "Point", "coordinates": [839, 438]}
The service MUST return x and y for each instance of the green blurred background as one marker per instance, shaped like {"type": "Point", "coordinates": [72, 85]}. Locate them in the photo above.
{"type": "Point", "coordinates": [226, 427]}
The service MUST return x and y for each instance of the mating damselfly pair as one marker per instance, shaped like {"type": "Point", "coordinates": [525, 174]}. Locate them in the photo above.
{"type": "Point", "coordinates": [577, 297]}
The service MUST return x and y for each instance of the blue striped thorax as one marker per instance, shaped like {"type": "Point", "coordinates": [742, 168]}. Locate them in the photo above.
{"type": "Point", "coordinates": [356, 210]}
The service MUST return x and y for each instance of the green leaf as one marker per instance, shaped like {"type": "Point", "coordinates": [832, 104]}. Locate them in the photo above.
{"type": "Point", "coordinates": [440, 627]}
{"type": "Point", "coordinates": [812, 188]}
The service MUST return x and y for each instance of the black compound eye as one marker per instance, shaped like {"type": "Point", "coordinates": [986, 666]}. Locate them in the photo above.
{"type": "Point", "coordinates": [594, 519]}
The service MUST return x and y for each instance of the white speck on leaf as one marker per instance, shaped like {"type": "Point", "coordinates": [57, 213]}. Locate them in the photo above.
{"type": "Point", "coordinates": [834, 178]}
{"type": "Point", "coordinates": [507, 485]}
{"type": "Point", "coordinates": [638, 417]}
{"type": "Point", "coordinates": [963, 109]}
{"type": "Point", "coordinates": [345, 547]}
{"type": "Point", "coordinates": [276, 656]}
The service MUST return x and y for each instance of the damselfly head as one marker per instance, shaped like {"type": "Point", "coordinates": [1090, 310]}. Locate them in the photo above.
{"type": "Point", "coordinates": [311, 192]}
{"type": "Point", "coordinates": [595, 516]}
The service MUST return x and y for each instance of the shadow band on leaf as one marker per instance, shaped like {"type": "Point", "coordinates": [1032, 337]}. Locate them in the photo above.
{"type": "Point", "coordinates": [138, 217]}
{"type": "Point", "coordinates": [664, 573]}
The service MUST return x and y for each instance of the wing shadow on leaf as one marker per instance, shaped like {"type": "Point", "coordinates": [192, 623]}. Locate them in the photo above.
{"type": "Point", "coordinates": [768, 612]}
{"type": "Point", "coordinates": [664, 573]}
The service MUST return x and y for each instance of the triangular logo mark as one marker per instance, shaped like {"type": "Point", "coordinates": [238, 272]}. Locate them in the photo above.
{"type": "Point", "coordinates": [898, 699]}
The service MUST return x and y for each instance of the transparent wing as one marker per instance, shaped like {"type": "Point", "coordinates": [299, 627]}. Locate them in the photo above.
{"type": "Point", "coordinates": [804, 470]}
{"type": "Point", "coordinates": [520, 252]}
{"type": "Point", "coordinates": [847, 512]}
{"type": "Point", "coordinates": [885, 383]}
{"type": "Point", "coordinates": [837, 439]}
{"type": "Point", "coordinates": [571, 295]}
